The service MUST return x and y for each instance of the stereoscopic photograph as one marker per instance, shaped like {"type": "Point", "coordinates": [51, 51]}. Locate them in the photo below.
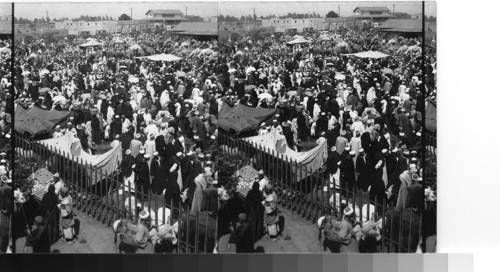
{"type": "Point", "coordinates": [115, 127]}
{"type": "Point", "coordinates": [321, 126]}
{"type": "Point", "coordinates": [218, 127]}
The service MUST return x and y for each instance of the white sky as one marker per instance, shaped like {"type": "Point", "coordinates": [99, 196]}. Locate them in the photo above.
{"type": "Point", "coordinates": [113, 9]}
{"type": "Point", "coordinates": [239, 8]}
{"type": "Point", "coordinates": [5, 9]}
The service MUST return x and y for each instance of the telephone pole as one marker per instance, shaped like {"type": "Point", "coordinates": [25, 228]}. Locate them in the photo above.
{"type": "Point", "coordinates": [130, 13]}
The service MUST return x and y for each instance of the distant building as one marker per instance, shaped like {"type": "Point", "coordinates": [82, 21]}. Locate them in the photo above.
{"type": "Point", "coordinates": [6, 24]}
{"type": "Point", "coordinates": [169, 16]}
{"type": "Point", "coordinates": [418, 16]}
{"type": "Point", "coordinates": [374, 14]}
{"type": "Point", "coordinates": [86, 27]}
{"type": "Point", "coordinates": [294, 25]}
{"type": "Point", "coordinates": [340, 23]}
{"type": "Point", "coordinates": [212, 19]}
{"type": "Point", "coordinates": [141, 25]}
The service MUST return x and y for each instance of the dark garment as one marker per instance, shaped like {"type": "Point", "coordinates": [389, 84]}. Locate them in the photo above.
{"type": "Point", "coordinates": [303, 131]}
{"type": "Point", "coordinates": [142, 176]}
{"type": "Point", "coordinates": [363, 171]}
{"type": "Point", "coordinates": [347, 175]}
{"type": "Point", "coordinates": [96, 130]}
{"type": "Point", "coordinates": [332, 162]}
{"type": "Point", "coordinates": [126, 166]}
{"type": "Point", "coordinates": [158, 175]}
{"type": "Point", "coordinates": [50, 213]}
{"type": "Point", "coordinates": [210, 200]}
{"type": "Point", "coordinates": [255, 212]}
{"type": "Point", "coordinates": [242, 237]}
{"type": "Point", "coordinates": [39, 240]}
{"type": "Point", "coordinates": [172, 190]}
{"type": "Point", "coordinates": [187, 175]}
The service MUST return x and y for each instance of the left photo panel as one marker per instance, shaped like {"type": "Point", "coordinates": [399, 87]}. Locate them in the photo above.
{"type": "Point", "coordinates": [115, 127]}
{"type": "Point", "coordinates": [6, 114]}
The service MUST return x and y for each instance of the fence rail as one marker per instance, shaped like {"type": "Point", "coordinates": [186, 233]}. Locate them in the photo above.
{"type": "Point", "coordinates": [311, 194]}
{"type": "Point", "coordinates": [431, 142]}
{"type": "Point", "coordinates": [109, 199]}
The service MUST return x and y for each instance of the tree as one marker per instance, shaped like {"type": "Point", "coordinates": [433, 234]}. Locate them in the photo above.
{"type": "Point", "coordinates": [124, 17]}
{"type": "Point", "coordinates": [402, 15]}
{"type": "Point", "coordinates": [332, 14]}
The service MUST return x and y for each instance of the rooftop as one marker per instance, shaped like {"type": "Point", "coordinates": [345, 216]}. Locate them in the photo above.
{"type": "Point", "coordinates": [402, 25]}
{"type": "Point", "coordinates": [372, 9]}
{"type": "Point", "coordinates": [372, 16]}
{"type": "Point", "coordinates": [164, 11]}
{"type": "Point", "coordinates": [196, 28]}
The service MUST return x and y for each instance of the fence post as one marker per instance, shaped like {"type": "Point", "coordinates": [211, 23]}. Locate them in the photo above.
{"type": "Point", "coordinates": [196, 232]}
{"type": "Point", "coordinates": [205, 244]}
{"type": "Point", "coordinates": [383, 224]}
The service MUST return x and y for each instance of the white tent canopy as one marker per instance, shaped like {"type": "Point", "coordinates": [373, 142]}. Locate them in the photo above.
{"type": "Point", "coordinates": [368, 54]}
{"type": "Point", "coordinates": [91, 43]}
{"type": "Point", "coordinates": [164, 57]}
{"type": "Point", "coordinates": [299, 40]}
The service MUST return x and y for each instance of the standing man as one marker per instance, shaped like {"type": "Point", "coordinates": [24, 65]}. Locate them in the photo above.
{"type": "Point", "coordinates": [6, 209]}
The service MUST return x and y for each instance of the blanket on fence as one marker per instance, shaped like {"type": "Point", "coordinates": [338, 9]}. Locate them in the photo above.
{"type": "Point", "coordinates": [70, 147]}
{"type": "Point", "coordinates": [241, 118]}
{"type": "Point", "coordinates": [37, 120]}
{"type": "Point", "coordinates": [276, 143]}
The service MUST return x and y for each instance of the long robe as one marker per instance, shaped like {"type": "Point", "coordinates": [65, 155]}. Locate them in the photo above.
{"type": "Point", "coordinates": [159, 175]}
{"type": "Point", "coordinates": [403, 190]}
{"type": "Point", "coordinates": [201, 184]}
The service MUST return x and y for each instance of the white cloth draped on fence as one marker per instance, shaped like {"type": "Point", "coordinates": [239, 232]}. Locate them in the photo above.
{"type": "Point", "coordinates": [70, 145]}
{"type": "Point", "coordinates": [276, 144]}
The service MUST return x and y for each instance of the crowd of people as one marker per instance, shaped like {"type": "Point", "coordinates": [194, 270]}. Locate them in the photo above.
{"type": "Point", "coordinates": [369, 110]}
{"type": "Point", "coordinates": [6, 191]}
{"type": "Point", "coordinates": [163, 115]}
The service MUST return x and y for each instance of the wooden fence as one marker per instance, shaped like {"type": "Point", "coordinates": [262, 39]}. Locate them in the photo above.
{"type": "Point", "coordinates": [108, 198]}
{"type": "Point", "coordinates": [310, 193]}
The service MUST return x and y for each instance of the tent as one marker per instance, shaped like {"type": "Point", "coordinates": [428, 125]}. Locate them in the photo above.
{"type": "Point", "coordinates": [310, 160]}
{"type": "Point", "coordinates": [368, 54]}
{"type": "Point", "coordinates": [299, 40]}
{"type": "Point", "coordinates": [70, 147]}
{"type": "Point", "coordinates": [241, 118]}
{"type": "Point", "coordinates": [37, 120]}
{"type": "Point", "coordinates": [430, 117]}
{"type": "Point", "coordinates": [135, 47]}
{"type": "Point", "coordinates": [164, 57]}
{"type": "Point", "coordinates": [91, 43]}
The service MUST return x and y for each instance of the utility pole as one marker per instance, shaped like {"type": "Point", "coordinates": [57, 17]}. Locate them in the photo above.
{"type": "Point", "coordinates": [339, 10]}
{"type": "Point", "coordinates": [130, 13]}
{"type": "Point", "coordinates": [254, 18]}
{"type": "Point", "coordinates": [393, 7]}
{"type": "Point", "coordinates": [186, 12]}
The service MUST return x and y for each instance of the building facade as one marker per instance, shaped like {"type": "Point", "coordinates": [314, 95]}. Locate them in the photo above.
{"type": "Point", "coordinates": [296, 25]}
{"type": "Point", "coordinates": [87, 27]}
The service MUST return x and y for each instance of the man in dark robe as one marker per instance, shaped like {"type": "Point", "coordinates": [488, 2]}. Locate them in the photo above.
{"type": "Point", "coordinates": [142, 174]}
{"type": "Point", "coordinates": [158, 174]}
{"type": "Point", "coordinates": [303, 129]}
{"type": "Point", "coordinates": [347, 174]}
{"type": "Point", "coordinates": [116, 127]}
{"type": "Point", "coordinates": [242, 235]}
{"type": "Point", "coordinates": [362, 168]}
{"type": "Point", "coordinates": [38, 237]}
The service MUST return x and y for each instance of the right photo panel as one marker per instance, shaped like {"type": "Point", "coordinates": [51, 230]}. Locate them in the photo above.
{"type": "Point", "coordinates": [321, 120]}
